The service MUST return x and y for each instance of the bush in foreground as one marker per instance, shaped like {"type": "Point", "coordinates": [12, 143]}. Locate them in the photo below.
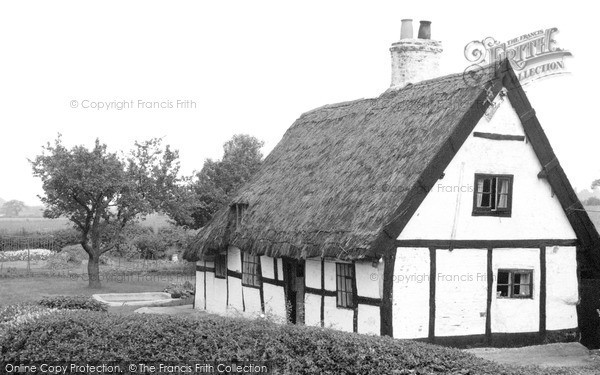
{"type": "Point", "coordinates": [82, 336]}
{"type": "Point", "coordinates": [14, 315]}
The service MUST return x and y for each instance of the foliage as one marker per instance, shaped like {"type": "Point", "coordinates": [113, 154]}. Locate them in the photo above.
{"type": "Point", "coordinates": [31, 254]}
{"type": "Point", "coordinates": [12, 208]}
{"type": "Point", "coordinates": [73, 303]}
{"type": "Point", "coordinates": [592, 201]}
{"type": "Point", "coordinates": [102, 192]}
{"type": "Point", "coordinates": [127, 248]}
{"type": "Point", "coordinates": [70, 256]}
{"type": "Point", "coordinates": [176, 236]}
{"type": "Point", "coordinates": [52, 241]}
{"type": "Point", "coordinates": [12, 316]}
{"type": "Point", "coordinates": [181, 289]}
{"type": "Point", "coordinates": [151, 246]}
{"type": "Point", "coordinates": [78, 336]}
{"type": "Point", "coordinates": [217, 182]}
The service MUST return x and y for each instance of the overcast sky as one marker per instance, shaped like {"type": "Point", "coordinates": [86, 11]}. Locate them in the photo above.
{"type": "Point", "coordinates": [251, 67]}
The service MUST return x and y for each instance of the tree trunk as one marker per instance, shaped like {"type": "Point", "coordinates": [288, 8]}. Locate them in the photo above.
{"type": "Point", "coordinates": [94, 270]}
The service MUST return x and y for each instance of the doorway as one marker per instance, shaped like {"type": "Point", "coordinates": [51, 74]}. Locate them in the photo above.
{"type": "Point", "coordinates": [293, 270]}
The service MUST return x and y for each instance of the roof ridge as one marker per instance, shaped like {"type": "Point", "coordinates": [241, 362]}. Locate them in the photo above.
{"type": "Point", "coordinates": [336, 105]}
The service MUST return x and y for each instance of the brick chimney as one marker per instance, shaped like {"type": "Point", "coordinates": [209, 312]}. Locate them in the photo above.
{"type": "Point", "coordinates": [414, 60]}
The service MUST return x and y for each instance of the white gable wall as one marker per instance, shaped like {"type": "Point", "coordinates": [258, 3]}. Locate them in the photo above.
{"type": "Point", "coordinates": [514, 314]}
{"type": "Point", "coordinates": [562, 298]}
{"type": "Point", "coordinates": [410, 308]}
{"type": "Point", "coordinates": [446, 214]}
{"type": "Point", "coordinates": [536, 214]}
{"type": "Point", "coordinates": [461, 292]}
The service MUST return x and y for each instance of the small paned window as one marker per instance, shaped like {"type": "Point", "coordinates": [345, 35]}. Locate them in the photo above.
{"type": "Point", "coordinates": [344, 285]}
{"type": "Point", "coordinates": [515, 284]}
{"type": "Point", "coordinates": [250, 270]}
{"type": "Point", "coordinates": [221, 266]}
{"type": "Point", "coordinates": [492, 195]}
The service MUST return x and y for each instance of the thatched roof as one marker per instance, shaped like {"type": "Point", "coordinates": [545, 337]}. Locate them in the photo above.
{"type": "Point", "coordinates": [337, 181]}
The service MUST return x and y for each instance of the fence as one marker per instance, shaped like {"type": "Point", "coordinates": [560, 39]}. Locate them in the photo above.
{"type": "Point", "coordinates": [10, 243]}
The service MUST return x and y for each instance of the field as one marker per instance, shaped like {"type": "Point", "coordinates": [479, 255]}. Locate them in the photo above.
{"type": "Point", "coordinates": [20, 282]}
{"type": "Point", "coordinates": [16, 225]}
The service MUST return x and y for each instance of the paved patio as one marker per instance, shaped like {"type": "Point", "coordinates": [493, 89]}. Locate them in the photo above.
{"type": "Point", "coordinates": [571, 354]}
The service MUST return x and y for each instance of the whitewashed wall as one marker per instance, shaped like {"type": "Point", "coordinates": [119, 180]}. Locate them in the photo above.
{"type": "Point", "coordinates": [242, 300]}
{"type": "Point", "coordinates": [368, 285]}
{"type": "Point", "coordinates": [516, 314]}
{"type": "Point", "coordinates": [446, 214]}
{"type": "Point", "coordinates": [535, 212]}
{"type": "Point", "coordinates": [410, 309]}
{"type": "Point", "coordinates": [234, 263]}
{"type": "Point", "coordinates": [312, 302]}
{"type": "Point", "coordinates": [461, 292]}
{"type": "Point", "coordinates": [274, 296]}
{"type": "Point", "coordinates": [562, 294]}
{"type": "Point", "coordinates": [199, 302]}
{"type": "Point", "coordinates": [216, 300]}
{"type": "Point", "coordinates": [338, 318]}
{"type": "Point", "coordinates": [335, 317]}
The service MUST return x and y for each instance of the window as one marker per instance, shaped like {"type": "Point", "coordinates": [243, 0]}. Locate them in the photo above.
{"type": "Point", "coordinates": [239, 212]}
{"type": "Point", "coordinates": [221, 266]}
{"type": "Point", "coordinates": [515, 284]}
{"type": "Point", "coordinates": [344, 280]}
{"type": "Point", "coordinates": [492, 195]}
{"type": "Point", "coordinates": [250, 270]}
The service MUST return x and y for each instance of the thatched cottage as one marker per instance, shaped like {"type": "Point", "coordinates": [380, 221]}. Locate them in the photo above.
{"type": "Point", "coordinates": [436, 211]}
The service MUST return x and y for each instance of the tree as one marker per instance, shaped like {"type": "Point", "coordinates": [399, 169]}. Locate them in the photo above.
{"type": "Point", "coordinates": [217, 182]}
{"type": "Point", "coordinates": [103, 193]}
{"type": "Point", "coordinates": [12, 208]}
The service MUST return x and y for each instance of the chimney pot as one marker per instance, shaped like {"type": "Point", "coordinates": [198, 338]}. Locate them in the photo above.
{"type": "Point", "coordinates": [425, 30]}
{"type": "Point", "coordinates": [414, 60]}
{"type": "Point", "coordinates": [406, 31]}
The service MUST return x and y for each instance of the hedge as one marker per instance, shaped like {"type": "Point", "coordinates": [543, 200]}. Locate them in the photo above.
{"type": "Point", "coordinates": [73, 303]}
{"type": "Point", "coordinates": [73, 336]}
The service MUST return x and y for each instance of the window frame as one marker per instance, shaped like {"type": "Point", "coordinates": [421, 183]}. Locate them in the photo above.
{"type": "Point", "coordinates": [493, 211]}
{"type": "Point", "coordinates": [511, 272]}
{"type": "Point", "coordinates": [221, 266]}
{"type": "Point", "coordinates": [254, 266]}
{"type": "Point", "coordinates": [347, 276]}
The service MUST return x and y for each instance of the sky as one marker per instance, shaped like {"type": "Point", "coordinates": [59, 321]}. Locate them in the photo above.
{"type": "Point", "coordinates": [250, 67]}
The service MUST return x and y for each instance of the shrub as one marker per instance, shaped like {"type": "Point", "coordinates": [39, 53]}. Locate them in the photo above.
{"type": "Point", "coordinates": [70, 256]}
{"type": "Point", "coordinates": [73, 303]}
{"type": "Point", "coordinates": [66, 237]}
{"type": "Point", "coordinates": [175, 236]}
{"type": "Point", "coordinates": [126, 247]}
{"type": "Point", "coordinates": [31, 254]}
{"type": "Point", "coordinates": [151, 246]}
{"type": "Point", "coordinates": [13, 316]}
{"type": "Point", "coordinates": [80, 336]}
{"type": "Point", "coordinates": [180, 289]}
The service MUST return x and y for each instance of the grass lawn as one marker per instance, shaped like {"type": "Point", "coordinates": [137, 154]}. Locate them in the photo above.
{"type": "Point", "coordinates": [30, 289]}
